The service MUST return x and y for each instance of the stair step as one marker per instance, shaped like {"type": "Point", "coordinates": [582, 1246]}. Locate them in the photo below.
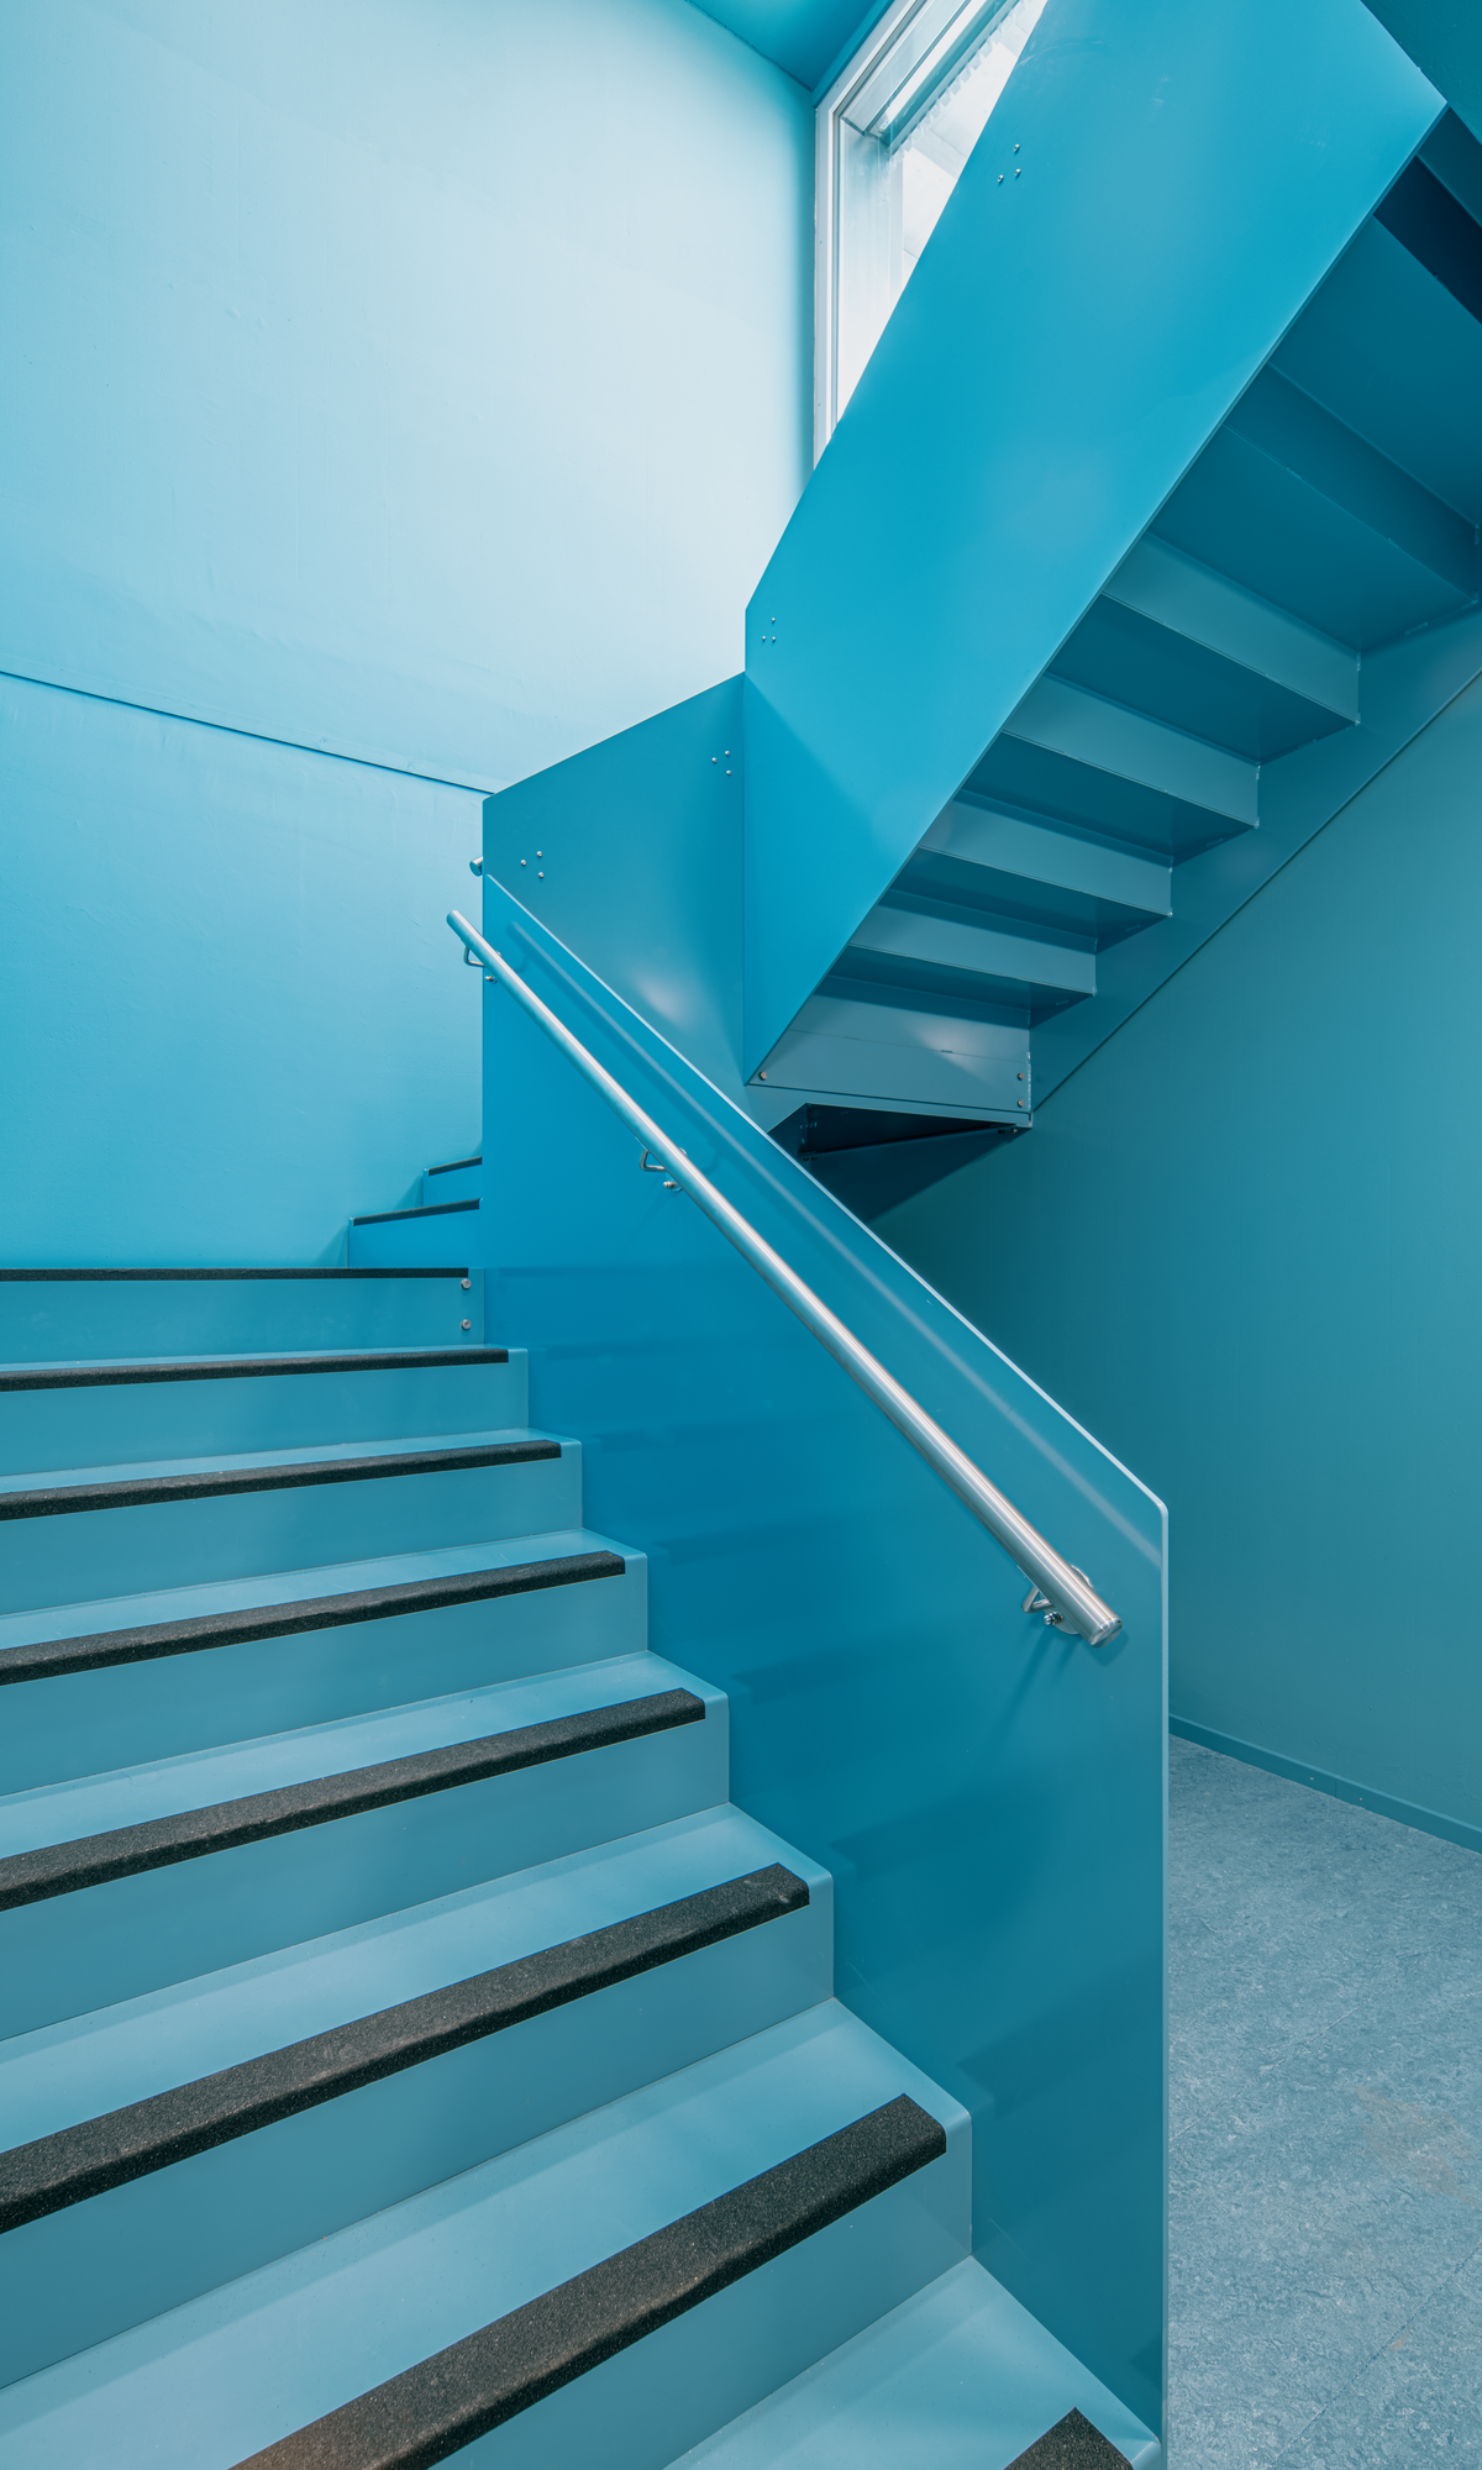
{"type": "Point", "coordinates": [1105, 737]}
{"type": "Point", "coordinates": [1315, 677]}
{"type": "Point", "coordinates": [1013, 867]}
{"type": "Point", "coordinates": [965, 1059]}
{"type": "Point", "coordinates": [941, 950]}
{"type": "Point", "coordinates": [258, 2360]}
{"type": "Point", "coordinates": [459, 1180]}
{"type": "Point", "coordinates": [80, 1415]}
{"type": "Point", "coordinates": [153, 1844]}
{"type": "Point", "coordinates": [74, 2163]}
{"type": "Point", "coordinates": [1295, 505]}
{"type": "Point", "coordinates": [191, 2137]}
{"type": "Point", "coordinates": [424, 1209]}
{"type": "Point", "coordinates": [118, 1883]}
{"type": "Point", "coordinates": [959, 2376]}
{"type": "Point", "coordinates": [157, 1522]}
{"type": "Point", "coordinates": [491, 2376]}
{"type": "Point", "coordinates": [1386, 349]}
{"type": "Point", "coordinates": [53, 1314]}
{"type": "Point", "coordinates": [185, 1668]}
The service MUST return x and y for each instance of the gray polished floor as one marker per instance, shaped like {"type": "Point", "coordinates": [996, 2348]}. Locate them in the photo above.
{"type": "Point", "coordinates": [1326, 2087]}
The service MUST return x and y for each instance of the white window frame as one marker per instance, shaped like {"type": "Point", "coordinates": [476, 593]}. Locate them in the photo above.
{"type": "Point", "coordinates": [890, 30]}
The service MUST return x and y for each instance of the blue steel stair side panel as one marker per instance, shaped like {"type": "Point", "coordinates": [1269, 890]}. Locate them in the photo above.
{"type": "Point", "coordinates": [631, 853]}
{"type": "Point", "coordinates": [1149, 209]}
{"type": "Point", "coordinates": [987, 1794]}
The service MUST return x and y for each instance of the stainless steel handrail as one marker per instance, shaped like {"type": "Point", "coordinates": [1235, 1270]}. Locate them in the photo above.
{"type": "Point", "coordinates": [1065, 1595]}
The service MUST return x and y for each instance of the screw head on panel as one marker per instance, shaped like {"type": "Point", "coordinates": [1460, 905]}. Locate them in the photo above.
{"type": "Point", "coordinates": [465, 1324]}
{"type": "Point", "coordinates": [465, 1283]}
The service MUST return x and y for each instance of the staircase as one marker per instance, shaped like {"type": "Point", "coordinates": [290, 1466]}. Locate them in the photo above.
{"type": "Point", "coordinates": [409, 2045]}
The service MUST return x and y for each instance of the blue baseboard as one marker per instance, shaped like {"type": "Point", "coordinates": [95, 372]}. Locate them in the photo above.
{"type": "Point", "coordinates": [1407, 1813]}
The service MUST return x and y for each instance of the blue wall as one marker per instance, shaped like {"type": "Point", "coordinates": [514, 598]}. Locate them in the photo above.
{"type": "Point", "coordinates": [1241, 1245]}
{"type": "Point", "coordinates": [422, 382]}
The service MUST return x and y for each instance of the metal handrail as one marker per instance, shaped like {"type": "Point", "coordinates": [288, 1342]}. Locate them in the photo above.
{"type": "Point", "coordinates": [1064, 1594]}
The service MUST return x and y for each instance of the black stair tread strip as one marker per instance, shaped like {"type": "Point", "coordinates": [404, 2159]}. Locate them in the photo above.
{"type": "Point", "coordinates": [120, 1373]}
{"type": "Point", "coordinates": [1071, 2444]}
{"type": "Point", "coordinates": [77, 2162]}
{"type": "Point", "coordinates": [453, 1164]}
{"type": "Point", "coordinates": [105, 1276]}
{"type": "Point", "coordinates": [141, 1491]}
{"type": "Point", "coordinates": [124, 1852]}
{"type": "Point", "coordinates": [50, 1658]}
{"type": "Point", "coordinates": [427, 1209]}
{"type": "Point", "coordinates": [447, 2401]}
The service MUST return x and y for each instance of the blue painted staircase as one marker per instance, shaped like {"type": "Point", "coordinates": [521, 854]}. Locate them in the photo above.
{"type": "Point", "coordinates": [409, 2047]}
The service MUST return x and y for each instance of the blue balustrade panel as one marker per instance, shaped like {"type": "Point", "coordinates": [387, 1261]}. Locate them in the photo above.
{"type": "Point", "coordinates": [987, 1793]}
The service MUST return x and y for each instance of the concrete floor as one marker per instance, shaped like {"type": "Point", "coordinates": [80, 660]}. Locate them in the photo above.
{"type": "Point", "coordinates": [1326, 2169]}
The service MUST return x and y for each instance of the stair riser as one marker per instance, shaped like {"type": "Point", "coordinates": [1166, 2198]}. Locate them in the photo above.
{"type": "Point", "coordinates": [642, 2409]}
{"type": "Point", "coordinates": [98, 1945]}
{"type": "Point", "coordinates": [414, 1243]}
{"type": "Point", "coordinates": [80, 1319]}
{"type": "Point", "coordinates": [89, 1722]}
{"type": "Point", "coordinates": [122, 1425]}
{"type": "Point", "coordinates": [89, 1553]}
{"type": "Point", "coordinates": [81, 2275]}
{"type": "Point", "coordinates": [459, 1183]}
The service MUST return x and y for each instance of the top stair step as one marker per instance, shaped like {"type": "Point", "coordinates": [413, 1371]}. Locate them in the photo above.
{"type": "Point", "coordinates": [53, 1316]}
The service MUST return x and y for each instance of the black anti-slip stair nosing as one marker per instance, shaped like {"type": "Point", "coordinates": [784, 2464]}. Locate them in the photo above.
{"type": "Point", "coordinates": [109, 1276]}
{"type": "Point", "coordinates": [86, 2160]}
{"type": "Point", "coordinates": [121, 1374]}
{"type": "Point", "coordinates": [449, 2400]}
{"type": "Point", "coordinates": [125, 1852]}
{"type": "Point", "coordinates": [1071, 2444]}
{"type": "Point", "coordinates": [427, 1209]}
{"type": "Point", "coordinates": [453, 1164]}
{"type": "Point", "coordinates": [218, 1483]}
{"type": "Point", "coordinates": [52, 1658]}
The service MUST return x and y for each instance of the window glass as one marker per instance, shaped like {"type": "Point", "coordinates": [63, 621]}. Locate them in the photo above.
{"type": "Point", "coordinates": [895, 132]}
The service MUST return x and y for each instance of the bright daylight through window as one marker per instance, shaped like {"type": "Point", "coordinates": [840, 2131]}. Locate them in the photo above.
{"type": "Point", "coordinates": [894, 132]}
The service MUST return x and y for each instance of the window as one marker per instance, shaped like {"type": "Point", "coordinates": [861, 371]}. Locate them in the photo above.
{"type": "Point", "coordinates": [894, 132]}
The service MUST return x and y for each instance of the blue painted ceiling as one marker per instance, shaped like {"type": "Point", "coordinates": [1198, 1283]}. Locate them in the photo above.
{"type": "Point", "coordinates": [805, 37]}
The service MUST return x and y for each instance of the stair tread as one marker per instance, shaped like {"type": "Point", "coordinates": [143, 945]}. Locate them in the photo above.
{"type": "Point", "coordinates": [220, 1598]}
{"type": "Point", "coordinates": [959, 2375]}
{"type": "Point", "coordinates": [112, 1371]}
{"type": "Point", "coordinates": [67, 1813]}
{"type": "Point", "coordinates": [252, 2362]}
{"type": "Point", "coordinates": [248, 1463]}
{"type": "Point", "coordinates": [61, 2074]}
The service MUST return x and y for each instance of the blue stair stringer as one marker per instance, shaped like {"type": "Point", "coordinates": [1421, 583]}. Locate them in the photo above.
{"type": "Point", "coordinates": [1128, 565]}
{"type": "Point", "coordinates": [382, 1952]}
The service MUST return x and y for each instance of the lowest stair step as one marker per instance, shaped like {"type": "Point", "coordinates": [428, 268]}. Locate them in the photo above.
{"type": "Point", "coordinates": [116, 1884]}
{"type": "Point", "coordinates": [263, 2357]}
